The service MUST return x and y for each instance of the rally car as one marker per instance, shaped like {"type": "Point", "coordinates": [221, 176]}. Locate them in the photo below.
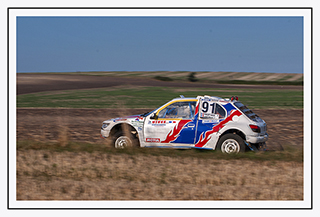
{"type": "Point", "coordinates": [204, 122]}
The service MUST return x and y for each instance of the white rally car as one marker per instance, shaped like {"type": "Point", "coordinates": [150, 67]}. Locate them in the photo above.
{"type": "Point", "coordinates": [205, 122]}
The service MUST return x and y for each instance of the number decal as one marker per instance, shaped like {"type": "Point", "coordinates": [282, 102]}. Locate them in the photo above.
{"type": "Point", "coordinates": [207, 112]}
{"type": "Point", "coordinates": [205, 106]}
{"type": "Point", "coordinates": [212, 107]}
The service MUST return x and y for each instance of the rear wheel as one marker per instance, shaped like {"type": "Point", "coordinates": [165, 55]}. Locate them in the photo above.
{"type": "Point", "coordinates": [231, 143]}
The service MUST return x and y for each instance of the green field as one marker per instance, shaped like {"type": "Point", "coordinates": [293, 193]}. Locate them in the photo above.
{"type": "Point", "coordinates": [207, 76]}
{"type": "Point", "coordinates": [153, 97]}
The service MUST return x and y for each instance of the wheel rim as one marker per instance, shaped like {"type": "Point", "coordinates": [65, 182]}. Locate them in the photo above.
{"type": "Point", "coordinates": [122, 142]}
{"type": "Point", "coordinates": [230, 146]}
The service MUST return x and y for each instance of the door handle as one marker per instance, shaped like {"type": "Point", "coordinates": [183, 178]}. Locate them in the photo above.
{"type": "Point", "coordinates": [191, 125]}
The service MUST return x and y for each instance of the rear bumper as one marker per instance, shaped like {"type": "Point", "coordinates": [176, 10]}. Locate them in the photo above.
{"type": "Point", "coordinates": [258, 139]}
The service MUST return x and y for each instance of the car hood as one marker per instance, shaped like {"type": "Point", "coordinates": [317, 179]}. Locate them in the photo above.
{"type": "Point", "coordinates": [126, 119]}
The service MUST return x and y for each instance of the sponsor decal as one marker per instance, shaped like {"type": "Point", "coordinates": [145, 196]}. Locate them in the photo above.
{"type": "Point", "coordinates": [161, 123]}
{"type": "Point", "coordinates": [152, 139]}
{"type": "Point", "coordinates": [158, 122]}
{"type": "Point", "coordinates": [137, 123]}
{"type": "Point", "coordinates": [209, 115]}
{"type": "Point", "coordinates": [209, 121]}
{"type": "Point", "coordinates": [120, 119]}
{"type": "Point", "coordinates": [206, 136]}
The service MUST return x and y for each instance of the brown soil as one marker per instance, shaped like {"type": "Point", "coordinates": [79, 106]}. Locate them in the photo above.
{"type": "Point", "coordinates": [285, 127]}
{"type": "Point", "coordinates": [31, 83]}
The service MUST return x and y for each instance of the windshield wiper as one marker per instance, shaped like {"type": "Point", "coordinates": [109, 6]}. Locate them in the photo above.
{"type": "Point", "coordinates": [145, 114]}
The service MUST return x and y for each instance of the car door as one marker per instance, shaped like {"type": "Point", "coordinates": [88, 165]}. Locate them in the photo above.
{"type": "Point", "coordinates": [211, 115]}
{"type": "Point", "coordinates": [175, 125]}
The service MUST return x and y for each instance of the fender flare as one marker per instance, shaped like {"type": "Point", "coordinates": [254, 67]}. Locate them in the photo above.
{"type": "Point", "coordinates": [118, 126]}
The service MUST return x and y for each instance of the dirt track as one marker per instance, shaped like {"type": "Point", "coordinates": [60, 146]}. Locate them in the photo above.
{"type": "Point", "coordinates": [285, 127]}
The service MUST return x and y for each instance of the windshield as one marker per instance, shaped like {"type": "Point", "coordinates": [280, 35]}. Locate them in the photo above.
{"type": "Point", "coordinates": [178, 110]}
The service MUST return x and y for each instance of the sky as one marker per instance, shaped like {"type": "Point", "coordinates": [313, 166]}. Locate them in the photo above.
{"type": "Point", "coordinates": [239, 44]}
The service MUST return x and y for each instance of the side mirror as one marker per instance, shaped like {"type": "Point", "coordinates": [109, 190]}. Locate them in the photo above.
{"type": "Point", "coordinates": [154, 116]}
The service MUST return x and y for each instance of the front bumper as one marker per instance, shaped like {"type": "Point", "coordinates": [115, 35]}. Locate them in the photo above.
{"type": "Point", "coordinates": [104, 133]}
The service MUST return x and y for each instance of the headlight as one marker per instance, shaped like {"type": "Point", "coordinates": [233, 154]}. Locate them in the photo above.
{"type": "Point", "coordinates": [104, 125]}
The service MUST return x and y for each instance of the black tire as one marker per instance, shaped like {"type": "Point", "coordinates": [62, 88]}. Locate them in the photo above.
{"type": "Point", "coordinates": [231, 143]}
{"type": "Point", "coordinates": [124, 141]}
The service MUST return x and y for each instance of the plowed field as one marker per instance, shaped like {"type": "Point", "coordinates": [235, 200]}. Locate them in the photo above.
{"type": "Point", "coordinates": [285, 127]}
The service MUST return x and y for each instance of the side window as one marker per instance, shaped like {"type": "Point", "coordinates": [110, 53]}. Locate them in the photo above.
{"type": "Point", "coordinates": [178, 110]}
{"type": "Point", "coordinates": [220, 111]}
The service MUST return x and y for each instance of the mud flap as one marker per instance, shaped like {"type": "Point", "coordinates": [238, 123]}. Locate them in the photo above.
{"type": "Point", "coordinates": [251, 147]}
{"type": "Point", "coordinates": [261, 146]}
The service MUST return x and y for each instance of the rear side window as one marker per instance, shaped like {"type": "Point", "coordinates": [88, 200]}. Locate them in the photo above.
{"type": "Point", "coordinates": [220, 111]}
{"type": "Point", "coordinates": [250, 114]}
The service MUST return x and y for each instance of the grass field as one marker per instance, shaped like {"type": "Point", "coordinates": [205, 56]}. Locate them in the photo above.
{"type": "Point", "coordinates": [153, 97]}
{"type": "Point", "coordinates": [84, 172]}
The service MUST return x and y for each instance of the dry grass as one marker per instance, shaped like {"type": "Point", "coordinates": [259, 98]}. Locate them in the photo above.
{"type": "Point", "coordinates": [60, 171]}
{"type": "Point", "coordinates": [51, 175]}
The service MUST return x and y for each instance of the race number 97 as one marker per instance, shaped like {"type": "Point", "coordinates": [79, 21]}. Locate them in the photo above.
{"type": "Point", "coordinates": [205, 107]}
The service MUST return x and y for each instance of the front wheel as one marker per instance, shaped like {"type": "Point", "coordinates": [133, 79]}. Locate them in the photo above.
{"type": "Point", "coordinates": [231, 143]}
{"type": "Point", "coordinates": [124, 141]}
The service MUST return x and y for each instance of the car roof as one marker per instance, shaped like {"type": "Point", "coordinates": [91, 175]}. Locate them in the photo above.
{"type": "Point", "coordinates": [184, 98]}
{"type": "Point", "coordinates": [187, 98]}
{"type": "Point", "coordinates": [218, 99]}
